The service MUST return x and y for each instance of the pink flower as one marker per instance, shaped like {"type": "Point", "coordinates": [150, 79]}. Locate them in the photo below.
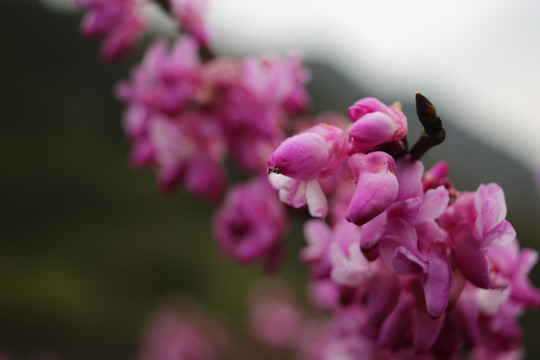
{"type": "Point", "coordinates": [318, 236]}
{"type": "Point", "coordinates": [190, 14]}
{"type": "Point", "coordinates": [476, 221]}
{"type": "Point", "coordinates": [274, 317]}
{"type": "Point", "coordinates": [375, 124]}
{"type": "Point", "coordinates": [409, 174]}
{"type": "Point", "coordinates": [251, 222]}
{"type": "Point", "coordinates": [301, 157]}
{"type": "Point", "coordinates": [487, 353]}
{"type": "Point", "coordinates": [187, 151]}
{"type": "Point", "coordinates": [436, 176]}
{"type": "Point", "coordinates": [376, 186]}
{"type": "Point", "coordinates": [301, 160]}
{"type": "Point", "coordinates": [512, 268]}
{"type": "Point", "coordinates": [166, 80]}
{"type": "Point", "coordinates": [184, 334]}
{"type": "Point", "coordinates": [349, 266]}
{"type": "Point", "coordinates": [491, 213]}
{"type": "Point", "coordinates": [118, 21]}
{"type": "Point", "coordinates": [255, 106]}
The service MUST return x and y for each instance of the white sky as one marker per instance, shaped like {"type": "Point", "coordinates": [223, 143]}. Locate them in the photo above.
{"type": "Point", "coordinates": [479, 59]}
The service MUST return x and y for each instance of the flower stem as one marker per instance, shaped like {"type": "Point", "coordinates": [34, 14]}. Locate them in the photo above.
{"type": "Point", "coordinates": [433, 133]}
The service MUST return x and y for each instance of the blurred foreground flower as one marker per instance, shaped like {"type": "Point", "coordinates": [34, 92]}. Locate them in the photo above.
{"type": "Point", "coordinates": [181, 331]}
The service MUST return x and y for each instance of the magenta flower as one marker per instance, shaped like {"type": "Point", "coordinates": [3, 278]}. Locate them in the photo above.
{"type": "Point", "coordinates": [409, 174]}
{"type": "Point", "coordinates": [512, 268]}
{"type": "Point", "coordinates": [376, 186]}
{"type": "Point", "coordinates": [318, 235]}
{"type": "Point", "coordinates": [349, 266]}
{"type": "Point", "coordinates": [436, 176]}
{"type": "Point", "coordinates": [301, 157]}
{"type": "Point", "coordinates": [375, 124]}
{"type": "Point", "coordinates": [250, 223]}
{"type": "Point", "coordinates": [476, 221]}
{"type": "Point", "coordinates": [166, 80]}
{"type": "Point", "coordinates": [183, 334]}
{"type": "Point", "coordinates": [190, 14]}
{"type": "Point", "coordinates": [484, 352]}
{"type": "Point", "coordinates": [301, 160]}
{"type": "Point", "coordinates": [255, 106]}
{"type": "Point", "coordinates": [491, 213]}
{"type": "Point", "coordinates": [188, 151]}
{"type": "Point", "coordinates": [117, 21]}
{"type": "Point", "coordinates": [365, 106]}
{"type": "Point", "coordinates": [275, 319]}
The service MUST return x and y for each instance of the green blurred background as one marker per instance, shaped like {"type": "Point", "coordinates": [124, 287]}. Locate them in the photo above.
{"type": "Point", "coordinates": [87, 245]}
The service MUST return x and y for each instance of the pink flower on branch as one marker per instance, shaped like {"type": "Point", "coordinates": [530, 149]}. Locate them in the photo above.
{"type": "Point", "coordinates": [183, 332]}
{"type": "Point", "coordinates": [376, 186]}
{"type": "Point", "coordinates": [250, 224]}
{"type": "Point", "coordinates": [119, 22]}
{"type": "Point", "coordinates": [375, 124]}
{"type": "Point", "coordinates": [190, 14]}
{"type": "Point", "coordinates": [304, 159]}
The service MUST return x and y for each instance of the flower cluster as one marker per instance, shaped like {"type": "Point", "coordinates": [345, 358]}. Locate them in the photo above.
{"type": "Point", "coordinates": [184, 115]}
{"type": "Point", "coordinates": [121, 22]}
{"type": "Point", "coordinates": [411, 267]}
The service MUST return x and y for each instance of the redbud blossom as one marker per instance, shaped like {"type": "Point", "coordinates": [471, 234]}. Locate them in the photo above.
{"type": "Point", "coordinates": [190, 14]}
{"type": "Point", "coordinates": [300, 161]}
{"type": "Point", "coordinates": [376, 186]}
{"type": "Point", "coordinates": [251, 222]}
{"type": "Point", "coordinates": [315, 254]}
{"type": "Point", "coordinates": [275, 319]}
{"type": "Point", "coordinates": [183, 333]}
{"type": "Point", "coordinates": [349, 266]}
{"type": "Point", "coordinates": [119, 22]}
{"type": "Point", "coordinates": [375, 124]}
{"type": "Point", "coordinates": [253, 108]}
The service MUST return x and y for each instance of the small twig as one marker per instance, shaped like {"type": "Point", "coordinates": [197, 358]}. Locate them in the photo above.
{"type": "Point", "coordinates": [433, 133]}
{"type": "Point", "coordinates": [164, 4]}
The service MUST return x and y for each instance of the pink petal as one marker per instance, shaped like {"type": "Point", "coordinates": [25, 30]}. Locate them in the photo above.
{"type": "Point", "coordinates": [291, 192]}
{"type": "Point", "coordinates": [398, 248]}
{"type": "Point", "coordinates": [409, 175]}
{"type": "Point", "coordinates": [317, 234]}
{"type": "Point", "coordinates": [206, 178]}
{"type": "Point", "coordinates": [300, 157]}
{"type": "Point", "coordinates": [470, 257]}
{"type": "Point", "coordinates": [351, 269]}
{"type": "Point", "coordinates": [490, 206]}
{"type": "Point", "coordinates": [397, 327]}
{"type": "Point", "coordinates": [438, 280]}
{"type": "Point", "coordinates": [466, 313]}
{"type": "Point", "coordinates": [376, 186]}
{"type": "Point", "coordinates": [371, 130]}
{"type": "Point", "coordinates": [316, 200]}
{"type": "Point", "coordinates": [406, 262]}
{"type": "Point", "coordinates": [372, 232]}
{"type": "Point", "coordinates": [426, 331]}
{"type": "Point", "coordinates": [383, 294]}
{"type": "Point", "coordinates": [501, 234]}
{"type": "Point", "coordinates": [365, 106]}
{"type": "Point", "coordinates": [434, 204]}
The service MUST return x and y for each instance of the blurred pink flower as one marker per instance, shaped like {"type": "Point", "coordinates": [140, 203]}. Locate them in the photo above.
{"type": "Point", "coordinates": [119, 22]}
{"type": "Point", "coordinates": [251, 222]}
{"type": "Point", "coordinates": [183, 332]}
